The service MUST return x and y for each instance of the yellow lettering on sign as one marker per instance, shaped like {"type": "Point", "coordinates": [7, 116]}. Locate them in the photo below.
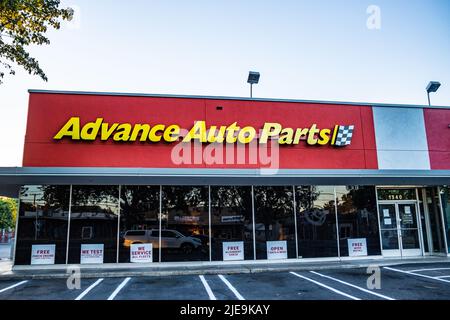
{"type": "Point", "coordinates": [153, 136]}
{"type": "Point", "coordinates": [142, 129]}
{"type": "Point", "coordinates": [172, 133]}
{"type": "Point", "coordinates": [90, 130]}
{"type": "Point", "coordinates": [198, 132]}
{"type": "Point", "coordinates": [246, 135]}
{"type": "Point", "coordinates": [70, 129]}
{"type": "Point", "coordinates": [123, 132]}
{"type": "Point", "coordinates": [312, 140]}
{"type": "Point", "coordinates": [286, 136]}
{"type": "Point", "coordinates": [270, 130]}
{"type": "Point", "coordinates": [324, 137]}
{"type": "Point", "coordinates": [107, 130]}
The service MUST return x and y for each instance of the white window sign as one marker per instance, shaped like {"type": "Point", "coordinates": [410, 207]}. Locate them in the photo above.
{"type": "Point", "coordinates": [43, 254]}
{"type": "Point", "coordinates": [233, 251]}
{"type": "Point", "coordinates": [276, 250]}
{"type": "Point", "coordinates": [92, 253]}
{"type": "Point", "coordinates": [141, 252]}
{"type": "Point", "coordinates": [386, 213]}
{"type": "Point", "coordinates": [357, 247]}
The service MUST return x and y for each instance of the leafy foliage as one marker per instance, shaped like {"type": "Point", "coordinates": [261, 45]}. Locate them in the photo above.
{"type": "Point", "coordinates": [23, 23]}
{"type": "Point", "coordinates": [8, 213]}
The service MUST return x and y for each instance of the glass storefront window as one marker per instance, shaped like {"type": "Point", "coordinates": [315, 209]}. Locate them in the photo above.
{"type": "Point", "coordinates": [139, 224]}
{"type": "Point", "coordinates": [316, 221]}
{"type": "Point", "coordinates": [185, 223]}
{"type": "Point", "coordinates": [93, 224]}
{"type": "Point", "coordinates": [274, 220]}
{"type": "Point", "coordinates": [43, 220]}
{"type": "Point", "coordinates": [357, 218]}
{"type": "Point", "coordinates": [231, 219]}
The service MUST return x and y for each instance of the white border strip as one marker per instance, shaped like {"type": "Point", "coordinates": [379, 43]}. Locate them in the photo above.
{"type": "Point", "coordinates": [120, 287]}
{"type": "Point", "coordinates": [230, 286]}
{"type": "Point", "coordinates": [207, 288]}
{"type": "Point", "coordinates": [325, 286]}
{"type": "Point", "coordinates": [13, 286]}
{"type": "Point", "coordinates": [353, 286]}
{"type": "Point", "coordinates": [85, 292]}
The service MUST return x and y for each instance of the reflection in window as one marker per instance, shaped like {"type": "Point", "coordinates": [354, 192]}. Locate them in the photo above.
{"type": "Point", "coordinates": [316, 221]}
{"type": "Point", "coordinates": [185, 217]}
{"type": "Point", "coordinates": [94, 219]}
{"type": "Point", "coordinates": [43, 217]}
{"type": "Point", "coordinates": [231, 219]}
{"type": "Point", "coordinates": [139, 207]}
{"type": "Point", "coordinates": [274, 219]}
{"type": "Point", "coordinates": [357, 217]}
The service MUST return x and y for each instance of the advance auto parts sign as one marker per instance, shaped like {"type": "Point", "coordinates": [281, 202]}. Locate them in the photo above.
{"type": "Point", "coordinates": [339, 135]}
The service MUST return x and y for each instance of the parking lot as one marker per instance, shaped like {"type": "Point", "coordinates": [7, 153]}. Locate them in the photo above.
{"type": "Point", "coordinates": [402, 282]}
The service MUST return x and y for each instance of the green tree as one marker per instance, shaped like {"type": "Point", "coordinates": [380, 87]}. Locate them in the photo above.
{"type": "Point", "coordinates": [23, 23]}
{"type": "Point", "coordinates": [8, 213]}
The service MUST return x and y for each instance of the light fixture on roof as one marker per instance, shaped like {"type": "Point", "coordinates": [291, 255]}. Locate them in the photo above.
{"type": "Point", "coordinates": [253, 78]}
{"type": "Point", "coordinates": [432, 86]}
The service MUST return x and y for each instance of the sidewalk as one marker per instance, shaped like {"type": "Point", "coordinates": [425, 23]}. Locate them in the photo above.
{"type": "Point", "coordinates": [205, 268]}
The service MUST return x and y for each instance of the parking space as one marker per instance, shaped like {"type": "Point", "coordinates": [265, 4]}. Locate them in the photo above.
{"type": "Point", "coordinates": [407, 282]}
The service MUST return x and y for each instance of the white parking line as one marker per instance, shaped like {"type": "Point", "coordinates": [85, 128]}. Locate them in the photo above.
{"type": "Point", "coordinates": [85, 292]}
{"type": "Point", "coordinates": [325, 286]}
{"type": "Point", "coordinates": [208, 288]}
{"type": "Point", "coordinates": [430, 269]}
{"type": "Point", "coordinates": [354, 286]}
{"type": "Point", "coordinates": [230, 286]}
{"type": "Point", "coordinates": [13, 286]}
{"type": "Point", "coordinates": [120, 287]}
{"type": "Point", "coordinates": [416, 274]}
{"type": "Point", "coordinates": [440, 277]}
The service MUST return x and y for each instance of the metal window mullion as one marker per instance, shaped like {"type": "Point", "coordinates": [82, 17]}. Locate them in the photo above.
{"type": "Point", "coordinates": [253, 218]}
{"type": "Point", "coordinates": [443, 220]}
{"type": "Point", "coordinates": [378, 218]}
{"type": "Point", "coordinates": [337, 223]}
{"type": "Point", "coordinates": [118, 226]}
{"type": "Point", "coordinates": [209, 222]}
{"type": "Point", "coordinates": [160, 223]}
{"type": "Point", "coordinates": [295, 222]}
{"type": "Point", "coordinates": [16, 233]}
{"type": "Point", "coordinates": [68, 224]}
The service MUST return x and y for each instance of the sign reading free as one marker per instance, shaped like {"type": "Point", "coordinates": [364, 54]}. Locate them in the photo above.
{"type": "Point", "coordinates": [43, 254]}
{"type": "Point", "coordinates": [357, 247]}
{"type": "Point", "coordinates": [233, 250]}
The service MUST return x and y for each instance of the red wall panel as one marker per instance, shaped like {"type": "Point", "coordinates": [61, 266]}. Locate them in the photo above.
{"type": "Point", "coordinates": [49, 112]}
{"type": "Point", "coordinates": [437, 123]}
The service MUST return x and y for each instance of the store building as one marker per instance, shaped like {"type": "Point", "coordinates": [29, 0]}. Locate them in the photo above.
{"type": "Point", "coordinates": [126, 178]}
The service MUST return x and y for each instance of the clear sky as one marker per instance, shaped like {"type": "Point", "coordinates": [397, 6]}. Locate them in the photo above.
{"type": "Point", "coordinates": [319, 50]}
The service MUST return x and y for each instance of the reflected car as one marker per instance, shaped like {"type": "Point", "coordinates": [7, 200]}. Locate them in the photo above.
{"type": "Point", "coordinates": [170, 239]}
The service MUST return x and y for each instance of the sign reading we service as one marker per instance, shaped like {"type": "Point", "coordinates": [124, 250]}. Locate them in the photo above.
{"type": "Point", "coordinates": [141, 252]}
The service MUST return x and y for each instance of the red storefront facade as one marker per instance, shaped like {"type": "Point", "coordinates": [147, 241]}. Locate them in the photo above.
{"type": "Point", "coordinates": [342, 187]}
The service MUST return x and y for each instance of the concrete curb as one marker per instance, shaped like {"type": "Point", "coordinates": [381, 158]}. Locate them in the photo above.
{"type": "Point", "coordinates": [208, 270]}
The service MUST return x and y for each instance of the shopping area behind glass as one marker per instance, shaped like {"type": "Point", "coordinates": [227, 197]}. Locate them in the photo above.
{"type": "Point", "coordinates": [200, 223]}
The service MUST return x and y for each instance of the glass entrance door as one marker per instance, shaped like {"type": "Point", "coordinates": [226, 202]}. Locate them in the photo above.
{"type": "Point", "coordinates": [399, 229]}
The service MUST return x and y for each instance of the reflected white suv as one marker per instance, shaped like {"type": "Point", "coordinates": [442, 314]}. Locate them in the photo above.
{"type": "Point", "coordinates": [170, 239]}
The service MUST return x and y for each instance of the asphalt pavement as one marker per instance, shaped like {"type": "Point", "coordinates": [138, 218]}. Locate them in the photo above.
{"type": "Point", "coordinates": [427, 281]}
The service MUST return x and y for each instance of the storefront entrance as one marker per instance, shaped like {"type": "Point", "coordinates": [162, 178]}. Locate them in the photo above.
{"type": "Point", "coordinates": [399, 228]}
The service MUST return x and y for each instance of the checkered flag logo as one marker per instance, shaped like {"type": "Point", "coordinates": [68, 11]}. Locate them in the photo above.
{"type": "Point", "coordinates": [344, 135]}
